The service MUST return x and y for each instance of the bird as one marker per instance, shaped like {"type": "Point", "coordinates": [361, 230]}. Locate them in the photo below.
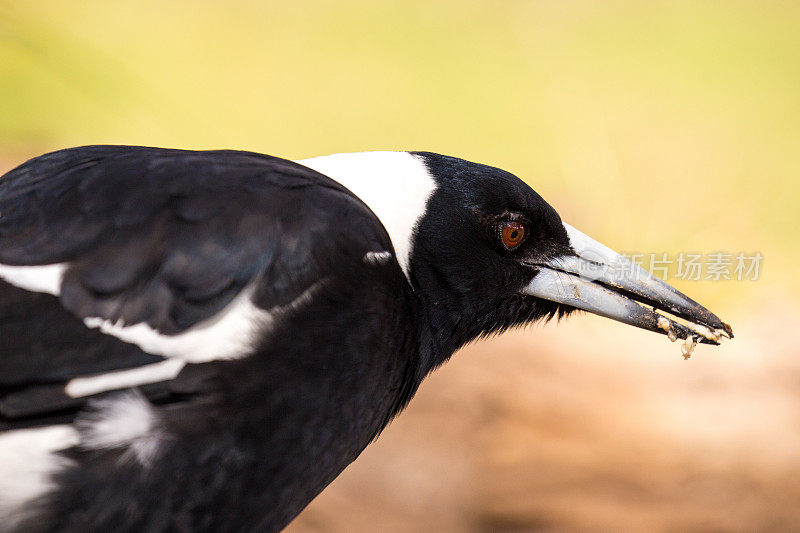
{"type": "Point", "coordinates": [204, 340]}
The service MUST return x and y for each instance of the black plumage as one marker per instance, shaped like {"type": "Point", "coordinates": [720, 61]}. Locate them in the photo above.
{"type": "Point", "coordinates": [170, 237]}
{"type": "Point", "coordinates": [173, 239]}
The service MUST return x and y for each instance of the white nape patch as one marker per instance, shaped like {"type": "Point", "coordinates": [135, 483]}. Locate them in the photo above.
{"type": "Point", "coordinates": [227, 335]}
{"type": "Point", "coordinates": [395, 185]}
{"type": "Point", "coordinates": [123, 379]}
{"type": "Point", "coordinates": [377, 258]}
{"type": "Point", "coordinates": [27, 463]}
{"type": "Point", "coordinates": [37, 278]}
{"type": "Point", "coordinates": [124, 420]}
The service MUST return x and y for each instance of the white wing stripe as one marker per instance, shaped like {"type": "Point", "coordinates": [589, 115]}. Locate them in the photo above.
{"type": "Point", "coordinates": [227, 335]}
{"type": "Point", "coordinates": [122, 379]}
{"type": "Point", "coordinates": [38, 278]}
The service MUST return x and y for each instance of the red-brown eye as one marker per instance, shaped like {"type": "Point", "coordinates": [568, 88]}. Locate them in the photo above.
{"type": "Point", "coordinates": [512, 234]}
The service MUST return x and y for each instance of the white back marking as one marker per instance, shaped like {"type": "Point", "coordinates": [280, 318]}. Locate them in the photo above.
{"type": "Point", "coordinates": [395, 185]}
{"type": "Point", "coordinates": [38, 278]}
{"type": "Point", "coordinates": [126, 419]}
{"type": "Point", "coordinates": [27, 463]}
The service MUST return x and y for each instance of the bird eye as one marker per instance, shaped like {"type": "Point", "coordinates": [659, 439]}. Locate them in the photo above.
{"type": "Point", "coordinates": [512, 234]}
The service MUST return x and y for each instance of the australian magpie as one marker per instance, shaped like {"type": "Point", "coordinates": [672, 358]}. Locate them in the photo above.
{"type": "Point", "coordinates": [203, 340]}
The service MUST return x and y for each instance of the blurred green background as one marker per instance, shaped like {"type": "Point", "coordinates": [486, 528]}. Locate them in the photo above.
{"type": "Point", "coordinates": [653, 126]}
{"type": "Point", "coordinates": [658, 126]}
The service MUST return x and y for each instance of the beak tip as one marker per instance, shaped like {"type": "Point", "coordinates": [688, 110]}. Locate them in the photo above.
{"type": "Point", "coordinates": [728, 329]}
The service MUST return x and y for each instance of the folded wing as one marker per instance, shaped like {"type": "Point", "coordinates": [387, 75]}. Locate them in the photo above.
{"type": "Point", "coordinates": [119, 265]}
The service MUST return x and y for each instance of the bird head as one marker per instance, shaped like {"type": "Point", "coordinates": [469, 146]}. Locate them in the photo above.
{"type": "Point", "coordinates": [485, 252]}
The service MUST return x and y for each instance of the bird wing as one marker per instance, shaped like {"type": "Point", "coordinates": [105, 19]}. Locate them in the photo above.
{"type": "Point", "coordinates": [117, 260]}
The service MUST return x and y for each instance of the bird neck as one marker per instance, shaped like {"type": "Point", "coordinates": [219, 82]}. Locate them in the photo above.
{"type": "Point", "coordinates": [445, 326]}
{"type": "Point", "coordinates": [394, 185]}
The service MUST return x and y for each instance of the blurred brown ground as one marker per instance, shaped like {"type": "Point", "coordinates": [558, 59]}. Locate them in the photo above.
{"type": "Point", "coordinates": [589, 426]}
